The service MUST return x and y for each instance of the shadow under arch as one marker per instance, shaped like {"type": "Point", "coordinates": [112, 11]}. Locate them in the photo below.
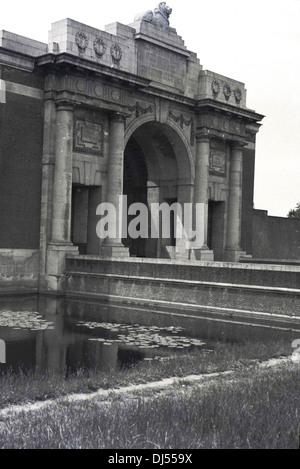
{"type": "Point", "coordinates": [158, 167]}
{"type": "Point", "coordinates": [182, 149]}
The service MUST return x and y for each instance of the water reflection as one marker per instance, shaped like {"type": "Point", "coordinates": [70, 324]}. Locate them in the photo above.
{"type": "Point", "coordinates": [45, 333]}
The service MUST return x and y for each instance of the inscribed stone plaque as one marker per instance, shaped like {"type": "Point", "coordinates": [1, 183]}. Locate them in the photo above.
{"type": "Point", "coordinates": [88, 137]}
{"type": "Point", "coordinates": [217, 163]}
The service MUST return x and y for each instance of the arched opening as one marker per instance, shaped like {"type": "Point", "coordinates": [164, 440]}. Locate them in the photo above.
{"type": "Point", "coordinates": [157, 169]}
{"type": "Point", "coordinates": [135, 188]}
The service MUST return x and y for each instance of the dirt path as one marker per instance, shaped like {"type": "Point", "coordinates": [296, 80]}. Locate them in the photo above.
{"type": "Point", "coordinates": [105, 394]}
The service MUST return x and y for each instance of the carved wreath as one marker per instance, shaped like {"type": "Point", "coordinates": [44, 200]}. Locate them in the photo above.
{"type": "Point", "coordinates": [116, 53]}
{"type": "Point", "coordinates": [238, 95]}
{"type": "Point", "coordinates": [99, 46]}
{"type": "Point", "coordinates": [226, 91]}
{"type": "Point", "coordinates": [215, 87]}
{"type": "Point", "coordinates": [81, 40]}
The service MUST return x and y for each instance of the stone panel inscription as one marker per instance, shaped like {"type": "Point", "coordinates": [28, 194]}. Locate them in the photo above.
{"type": "Point", "coordinates": [217, 163]}
{"type": "Point", "coordinates": [88, 137]}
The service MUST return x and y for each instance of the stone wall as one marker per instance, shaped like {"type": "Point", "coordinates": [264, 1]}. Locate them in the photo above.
{"type": "Point", "coordinates": [275, 237]}
{"type": "Point", "coordinates": [248, 293]}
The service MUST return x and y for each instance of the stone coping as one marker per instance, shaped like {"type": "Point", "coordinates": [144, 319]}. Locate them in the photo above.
{"type": "Point", "coordinates": [218, 264]}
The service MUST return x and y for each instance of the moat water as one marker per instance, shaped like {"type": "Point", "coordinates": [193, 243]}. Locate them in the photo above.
{"type": "Point", "coordinates": [63, 335]}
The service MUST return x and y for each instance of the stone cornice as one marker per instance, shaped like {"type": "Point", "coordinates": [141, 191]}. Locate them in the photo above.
{"type": "Point", "coordinates": [249, 115]}
{"type": "Point", "coordinates": [17, 59]}
{"type": "Point", "coordinates": [88, 65]}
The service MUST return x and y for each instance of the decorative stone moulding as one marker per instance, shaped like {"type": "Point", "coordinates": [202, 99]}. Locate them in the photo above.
{"type": "Point", "coordinates": [215, 86]}
{"type": "Point", "coordinates": [227, 91]}
{"type": "Point", "coordinates": [116, 53]}
{"type": "Point", "coordinates": [237, 95]}
{"type": "Point", "coordinates": [140, 110]}
{"type": "Point", "coordinates": [81, 40]}
{"type": "Point", "coordinates": [184, 122]}
{"type": "Point", "coordinates": [99, 46]}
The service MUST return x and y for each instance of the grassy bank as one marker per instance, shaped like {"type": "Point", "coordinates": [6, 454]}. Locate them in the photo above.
{"type": "Point", "coordinates": [260, 409]}
{"type": "Point", "coordinates": [29, 387]}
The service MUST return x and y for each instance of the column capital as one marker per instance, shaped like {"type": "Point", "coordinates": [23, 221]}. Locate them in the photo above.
{"type": "Point", "coordinates": [117, 117]}
{"type": "Point", "coordinates": [64, 105]}
{"type": "Point", "coordinates": [238, 146]}
{"type": "Point", "coordinates": [203, 138]}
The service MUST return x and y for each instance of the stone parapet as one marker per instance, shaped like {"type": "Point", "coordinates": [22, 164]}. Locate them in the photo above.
{"type": "Point", "coordinates": [251, 294]}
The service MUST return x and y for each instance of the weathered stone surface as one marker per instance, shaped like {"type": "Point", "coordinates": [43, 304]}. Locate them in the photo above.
{"type": "Point", "coordinates": [232, 290]}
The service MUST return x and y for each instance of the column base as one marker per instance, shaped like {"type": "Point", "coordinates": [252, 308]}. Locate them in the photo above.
{"type": "Point", "coordinates": [114, 251]}
{"type": "Point", "coordinates": [178, 253]}
{"type": "Point", "coordinates": [56, 254]}
{"type": "Point", "coordinates": [201, 255]}
{"type": "Point", "coordinates": [234, 255]}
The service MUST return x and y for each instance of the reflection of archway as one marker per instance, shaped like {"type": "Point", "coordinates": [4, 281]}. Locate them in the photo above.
{"type": "Point", "coordinates": [157, 169]}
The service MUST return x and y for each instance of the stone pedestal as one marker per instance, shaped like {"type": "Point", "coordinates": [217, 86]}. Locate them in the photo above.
{"type": "Point", "coordinates": [200, 196]}
{"type": "Point", "coordinates": [233, 249]}
{"type": "Point", "coordinates": [113, 247]}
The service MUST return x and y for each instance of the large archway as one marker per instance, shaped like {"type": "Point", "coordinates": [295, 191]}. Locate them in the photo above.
{"type": "Point", "coordinates": [157, 169]}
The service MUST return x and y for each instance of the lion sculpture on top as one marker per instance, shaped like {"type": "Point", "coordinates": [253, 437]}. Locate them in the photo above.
{"type": "Point", "coordinates": [158, 17]}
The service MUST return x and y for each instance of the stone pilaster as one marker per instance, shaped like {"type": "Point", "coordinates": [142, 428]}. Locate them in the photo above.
{"type": "Point", "coordinates": [113, 247]}
{"type": "Point", "coordinates": [201, 195]}
{"type": "Point", "coordinates": [60, 243]}
{"type": "Point", "coordinates": [233, 249]}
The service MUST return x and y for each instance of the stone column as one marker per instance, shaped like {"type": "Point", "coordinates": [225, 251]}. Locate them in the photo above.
{"type": "Point", "coordinates": [201, 195]}
{"type": "Point", "coordinates": [62, 187]}
{"type": "Point", "coordinates": [113, 247]}
{"type": "Point", "coordinates": [60, 243]}
{"type": "Point", "coordinates": [233, 249]}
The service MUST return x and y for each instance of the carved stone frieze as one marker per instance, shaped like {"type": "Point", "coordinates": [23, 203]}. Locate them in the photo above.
{"type": "Point", "coordinates": [88, 87]}
{"type": "Point", "coordinates": [181, 121]}
{"type": "Point", "coordinates": [224, 124]}
{"type": "Point", "coordinates": [139, 109]}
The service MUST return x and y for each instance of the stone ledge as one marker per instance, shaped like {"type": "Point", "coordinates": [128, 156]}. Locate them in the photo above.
{"type": "Point", "coordinates": [217, 264]}
{"type": "Point", "coordinates": [141, 279]}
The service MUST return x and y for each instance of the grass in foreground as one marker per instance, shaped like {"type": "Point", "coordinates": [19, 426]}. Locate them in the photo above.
{"type": "Point", "coordinates": [259, 410]}
{"type": "Point", "coordinates": [29, 387]}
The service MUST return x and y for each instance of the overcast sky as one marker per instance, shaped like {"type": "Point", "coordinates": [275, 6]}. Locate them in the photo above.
{"type": "Point", "coordinates": [253, 41]}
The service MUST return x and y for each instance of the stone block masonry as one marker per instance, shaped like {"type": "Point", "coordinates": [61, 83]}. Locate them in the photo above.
{"type": "Point", "coordinates": [246, 293]}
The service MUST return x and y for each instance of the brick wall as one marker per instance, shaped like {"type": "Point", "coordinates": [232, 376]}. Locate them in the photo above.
{"type": "Point", "coordinates": [21, 128]}
{"type": "Point", "coordinates": [275, 237]}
